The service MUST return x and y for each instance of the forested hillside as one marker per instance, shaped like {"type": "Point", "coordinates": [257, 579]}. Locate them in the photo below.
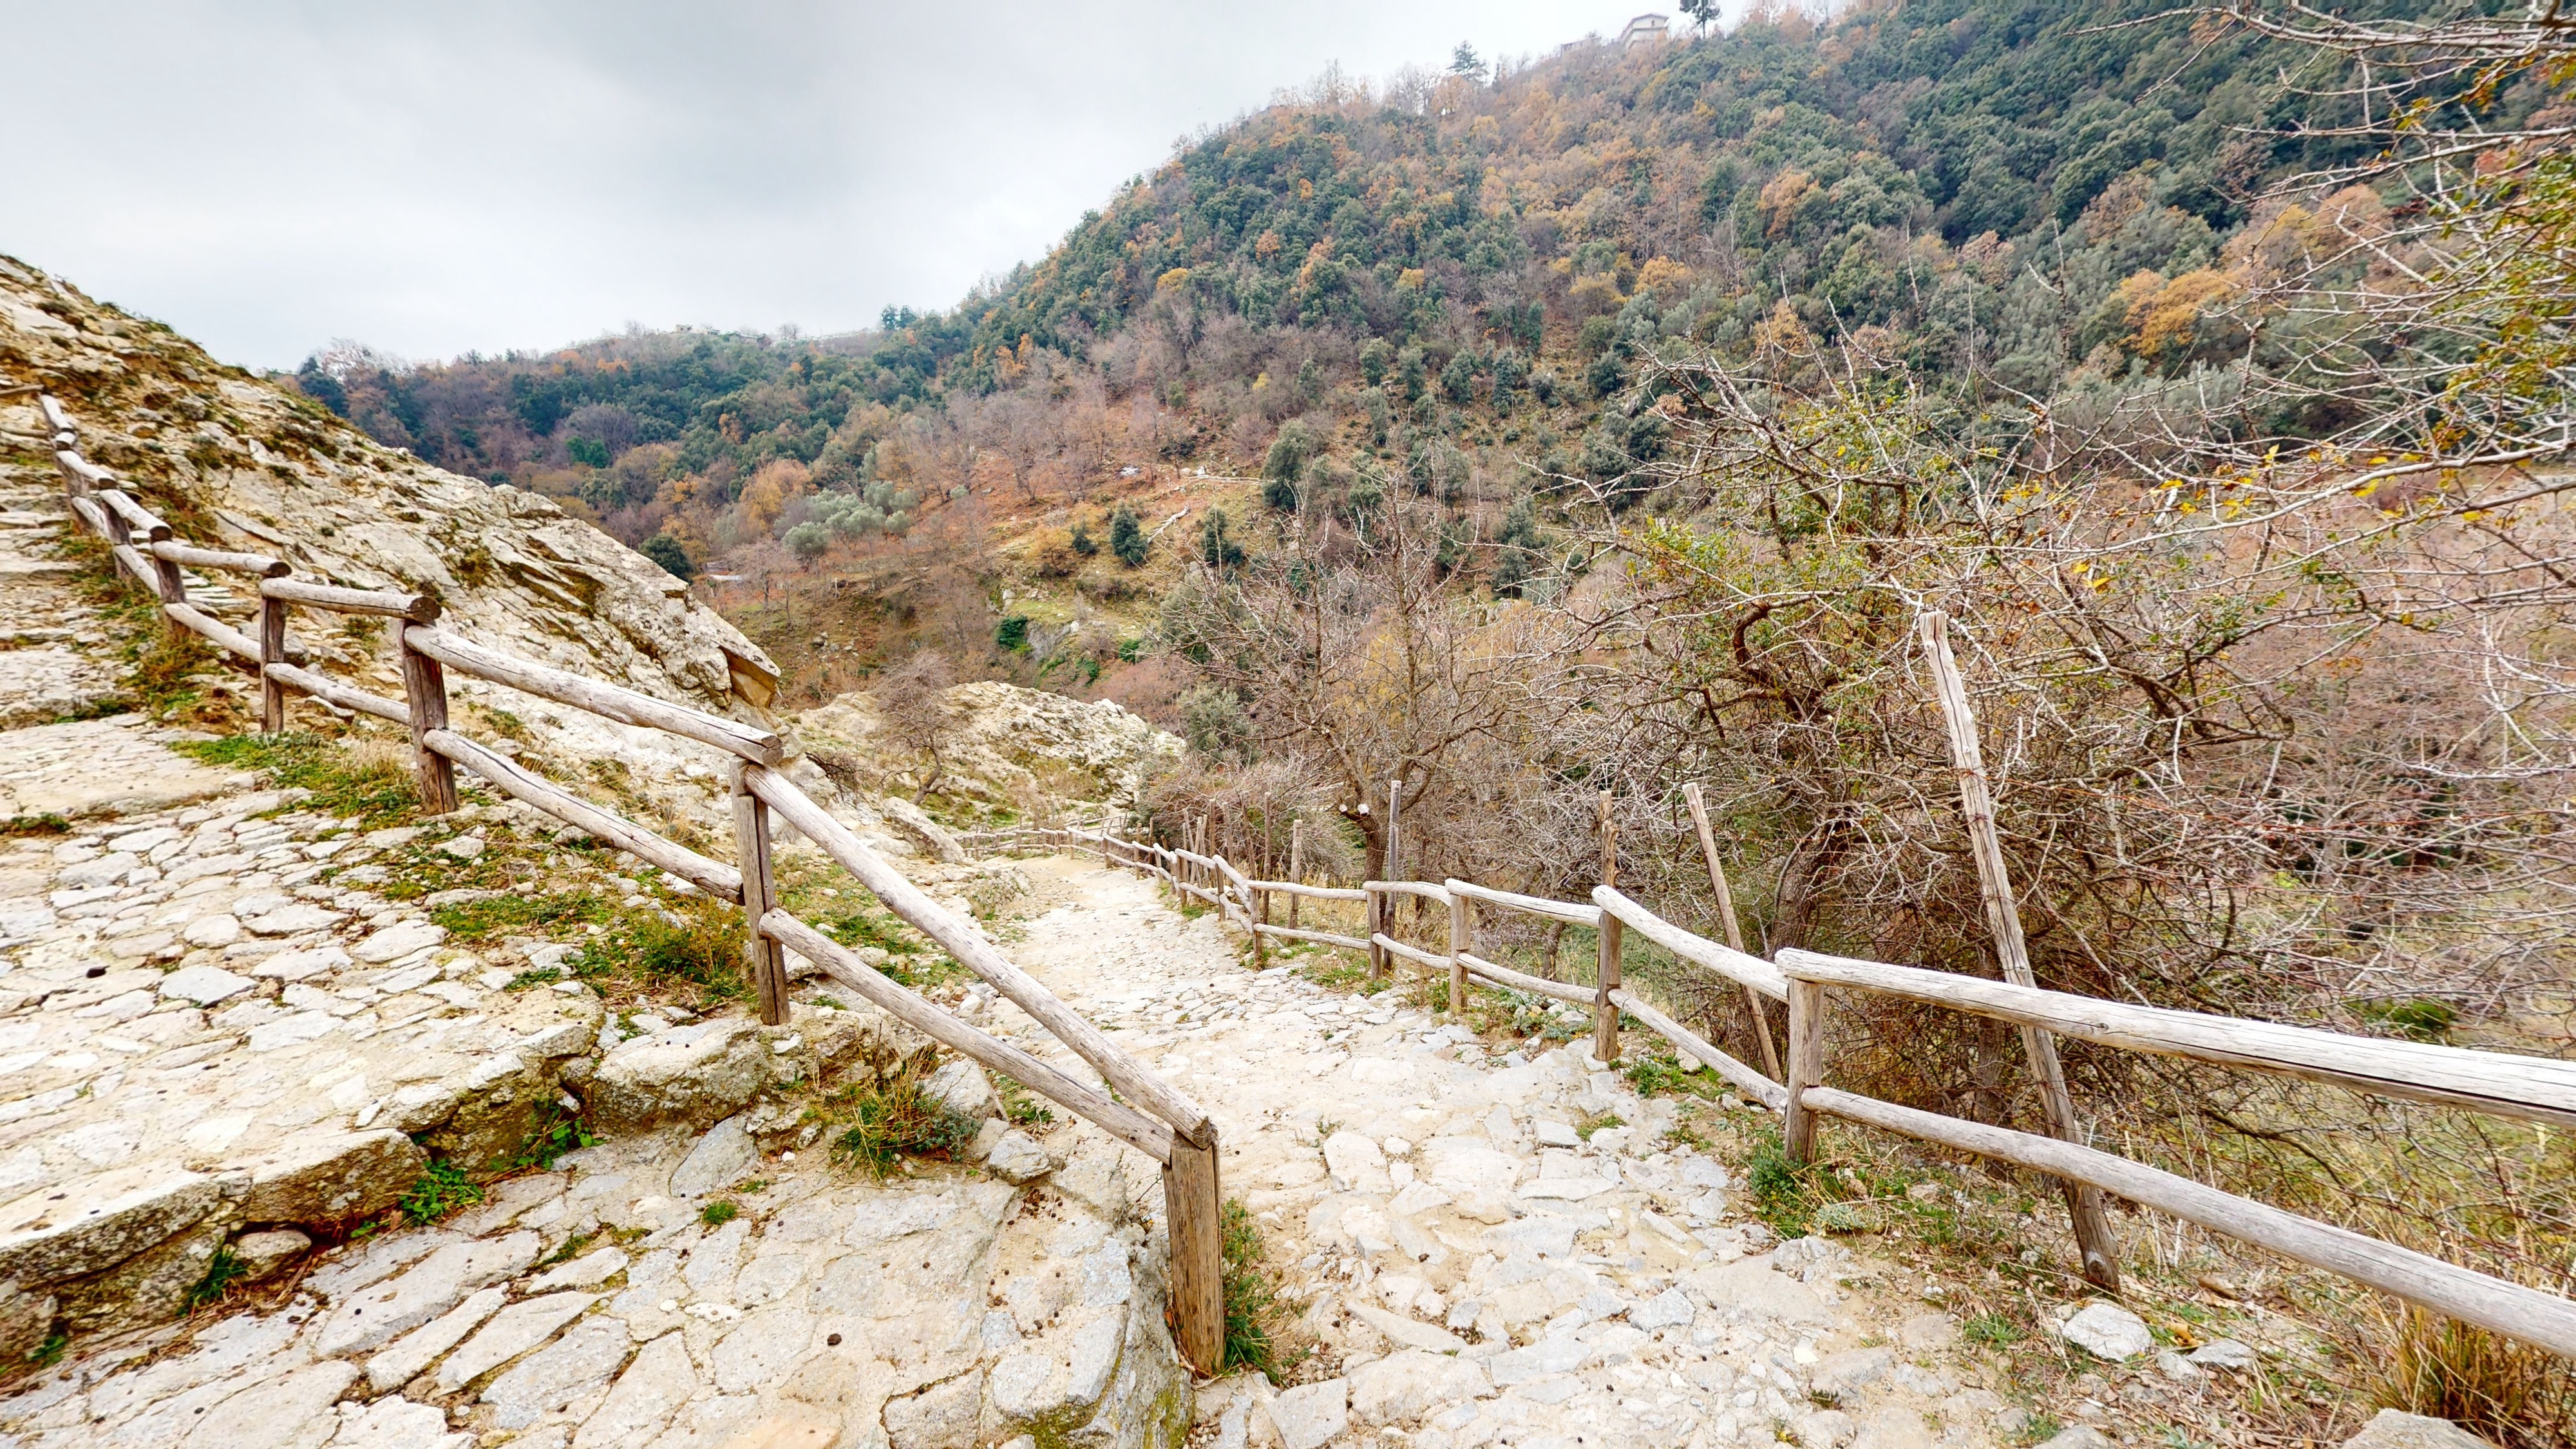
{"type": "Point", "coordinates": [1439, 281]}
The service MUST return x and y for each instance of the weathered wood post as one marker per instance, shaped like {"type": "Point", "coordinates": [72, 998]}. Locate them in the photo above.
{"type": "Point", "coordinates": [119, 533]}
{"type": "Point", "coordinates": [1734, 932]}
{"type": "Point", "coordinates": [1462, 939]}
{"type": "Point", "coordinates": [1605, 1013]}
{"type": "Point", "coordinates": [1296, 865]}
{"type": "Point", "coordinates": [762, 957]}
{"type": "Point", "coordinates": [1375, 925]}
{"type": "Point", "coordinates": [272, 651]}
{"type": "Point", "coordinates": [2101, 1250]}
{"type": "Point", "coordinates": [1806, 1068]}
{"type": "Point", "coordinates": [1193, 1206]}
{"type": "Point", "coordinates": [425, 696]}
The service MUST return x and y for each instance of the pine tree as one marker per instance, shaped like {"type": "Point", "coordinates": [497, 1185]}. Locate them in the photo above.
{"type": "Point", "coordinates": [1126, 539]}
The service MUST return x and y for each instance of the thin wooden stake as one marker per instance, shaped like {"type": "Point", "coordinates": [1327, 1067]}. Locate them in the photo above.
{"type": "Point", "coordinates": [761, 955]}
{"type": "Point", "coordinates": [1296, 865]}
{"type": "Point", "coordinates": [1462, 939]}
{"type": "Point", "coordinates": [1394, 834]}
{"type": "Point", "coordinates": [425, 695]}
{"type": "Point", "coordinates": [1609, 844]}
{"type": "Point", "coordinates": [1734, 932]}
{"type": "Point", "coordinates": [2003, 916]}
{"type": "Point", "coordinates": [1194, 1209]}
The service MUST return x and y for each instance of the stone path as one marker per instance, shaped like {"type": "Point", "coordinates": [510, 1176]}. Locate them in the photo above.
{"type": "Point", "coordinates": [45, 630]}
{"type": "Point", "coordinates": [1473, 1269]}
{"type": "Point", "coordinates": [1470, 1267]}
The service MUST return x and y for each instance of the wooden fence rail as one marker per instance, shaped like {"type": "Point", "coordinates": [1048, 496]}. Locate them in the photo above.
{"type": "Point", "coordinates": [2531, 1088]}
{"type": "Point", "coordinates": [1138, 1107]}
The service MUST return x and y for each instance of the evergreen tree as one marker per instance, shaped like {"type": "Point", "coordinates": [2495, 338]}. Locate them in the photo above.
{"type": "Point", "coordinates": [665, 550]}
{"type": "Point", "coordinates": [1126, 539]}
{"type": "Point", "coordinates": [1216, 542]}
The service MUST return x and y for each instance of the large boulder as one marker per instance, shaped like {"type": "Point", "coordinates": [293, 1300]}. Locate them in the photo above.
{"type": "Point", "coordinates": [696, 1075]}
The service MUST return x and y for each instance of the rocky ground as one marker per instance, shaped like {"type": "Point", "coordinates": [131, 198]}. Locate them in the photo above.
{"type": "Point", "coordinates": [1471, 1254]}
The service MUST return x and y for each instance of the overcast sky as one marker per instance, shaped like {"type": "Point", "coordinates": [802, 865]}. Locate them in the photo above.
{"type": "Point", "coordinates": [437, 178]}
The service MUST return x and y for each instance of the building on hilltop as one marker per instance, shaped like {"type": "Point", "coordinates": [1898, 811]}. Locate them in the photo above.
{"type": "Point", "coordinates": [1645, 30]}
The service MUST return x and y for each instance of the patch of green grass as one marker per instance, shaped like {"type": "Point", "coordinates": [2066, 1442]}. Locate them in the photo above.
{"type": "Point", "coordinates": [1596, 1124]}
{"type": "Point", "coordinates": [219, 1279]}
{"type": "Point", "coordinates": [2420, 1020]}
{"type": "Point", "coordinates": [44, 824]}
{"type": "Point", "coordinates": [163, 669]}
{"type": "Point", "coordinates": [552, 1138]}
{"type": "Point", "coordinates": [1252, 1308]}
{"type": "Point", "coordinates": [720, 1212]}
{"type": "Point", "coordinates": [570, 1250]}
{"type": "Point", "coordinates": [1785, 1195]}
{"type": "Point", "coordinates": [513, 911]}
{"type": "Point", "coordinates": [888, 1123]}
{"type": "Point", "coordinates": [1335, 971]}
{"type": "Point", "coordinates": [50, 1352]}
{"type": "Point", "coordinates": [1019, 1104]}
{"type": "Point", "coordinates": [100, 708]}
{"type": "Point", "coordinates": [378, 792]}
{"type": "Point", "coordinates": [1518, 1013]}
{"type": "Point", "coordinates": [643, 947]}
{"type": "Point", "coordinates": [534, 977]}
{"type": "Point", "coordinates": [1994, 1330]}
{"type": "Point", "coordinates": [1660, 1074]}
{"type": "Point", "coordinates": [444, 1189]}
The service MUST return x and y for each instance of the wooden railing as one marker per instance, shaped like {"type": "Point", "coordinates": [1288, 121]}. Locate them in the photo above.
{"type": "Point", "coordinates": [2539, 1089]}
{"type": "Point", "coordinates": [1137, 1107]}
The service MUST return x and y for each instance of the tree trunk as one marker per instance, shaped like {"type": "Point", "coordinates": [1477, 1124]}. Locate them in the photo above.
{"type": "Point", "coordinates": [1793, 906]}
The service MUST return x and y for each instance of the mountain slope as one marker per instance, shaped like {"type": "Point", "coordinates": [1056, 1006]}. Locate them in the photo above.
{"type": "Point", "coordinates": [235, 462]}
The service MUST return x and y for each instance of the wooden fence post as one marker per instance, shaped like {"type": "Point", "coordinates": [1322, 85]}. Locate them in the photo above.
{"type": "Point", "coordinates": [1394, 838]}
{"type": "Point", "coordinates": [1194, 1209]}
{"type": "Point", "coordinates": [761, 955]}
{"type": "Point", "coordinates": [1462, 938]}
{"type": "Point", "coordinates": [425, 696]}
{"type": "Point", "coordinates": [119, 534]}
{"type": "Point", "coordinates": [1734, 932]}
{"type": "Point", "coordinates": [1605, 1015]}
{"type": "Point", "coordinates": [272, 650]}
{"type": "Point", "coordinates": [172, 589]}
{"type": "Point", "coordinates": [2093, 1237]}
{"type": "Point", "coordinates": [1806, 1068]}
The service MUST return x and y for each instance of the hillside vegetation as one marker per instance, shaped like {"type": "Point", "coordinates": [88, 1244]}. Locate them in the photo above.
{"type": "Point", "coordinates": [1440, 282]}
{"type": "Point", "coordinates": [1533, 444]}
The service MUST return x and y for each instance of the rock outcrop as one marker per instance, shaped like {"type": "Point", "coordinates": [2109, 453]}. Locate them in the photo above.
{"type": "Point", "coordinates": [1006, 748]}
{"type": "Point", "coordinates": [235, 462]}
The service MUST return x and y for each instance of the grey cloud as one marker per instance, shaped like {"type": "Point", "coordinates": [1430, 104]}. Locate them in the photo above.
{"type": "Point", "coordinates": [439, 178]}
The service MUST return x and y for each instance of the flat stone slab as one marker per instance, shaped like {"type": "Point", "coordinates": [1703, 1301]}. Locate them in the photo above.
{"type": "Point", "coordinates": [100, 767]}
